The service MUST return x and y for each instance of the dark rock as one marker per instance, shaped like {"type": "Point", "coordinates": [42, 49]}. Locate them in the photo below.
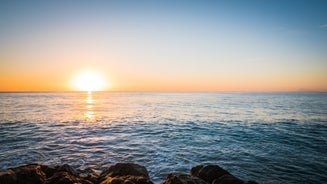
{"type": "Point", "coordinates": [63, 177]}
{"type": "Point", "coordinates": [250, 182]}
{"type": "Point", "coordinates": [90, 177]}
{"type": "Point", "coordinates": [48, 171]}
{"type": "Point", "coordinates": [208, 173]}
{"type": "Point", "coordinates": [127, 173]}
{"type": "Point", "coordinates": [88, 174]}
{"type": "Point", "coordinates": [8, 177]}
{"type": "Point", "coordinates": [41, 174]}
{"type": "Point", "coordinates": [110, 180]}
{"type": "Point", "coordinates": [66, 168]}
{"type": "Point", "coordinates": [195, 170]}
{"type": "Point", "coordinates": [120, 173]}
{"type": "Point", "coordinates": [126, 169]}
{"type": "Point", "coordinates": [30, 174]}
{"type": "Point", "coordinates": [126, 180]}
{"type": "Point", "coordinates": [65, 174]}
{"type": "Point", "coordinates": [227, 179]}
{"type": "Point", "coordinates": [183, 179]}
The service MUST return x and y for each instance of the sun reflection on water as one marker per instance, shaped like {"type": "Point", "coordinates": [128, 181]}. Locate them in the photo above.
{"type": "Point", "coordinates": [89, 114]}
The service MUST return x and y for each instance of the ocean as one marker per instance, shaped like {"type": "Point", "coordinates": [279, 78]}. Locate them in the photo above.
{"type": "Point", "coordinates": [267, 137]}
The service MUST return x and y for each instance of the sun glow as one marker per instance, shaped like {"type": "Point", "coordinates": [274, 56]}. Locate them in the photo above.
{"type": "Point", "coordinates": [88, 81]}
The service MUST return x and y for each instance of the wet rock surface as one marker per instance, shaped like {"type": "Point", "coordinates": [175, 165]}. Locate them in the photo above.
{"type": "Point", "coordinates": [41, 174]}
{"type": "Point", "coordinates": [120, 173]}
{"type": "Point", "coordinates": [209, 173]}
{"type": "Point", "coordinates": [183, 179]}
{"type": "Point", "coordinates": [128, 173]}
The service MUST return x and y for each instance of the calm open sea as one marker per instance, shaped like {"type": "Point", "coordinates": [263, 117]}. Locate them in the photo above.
{"type": "Point", "coordinates": [267, 137]}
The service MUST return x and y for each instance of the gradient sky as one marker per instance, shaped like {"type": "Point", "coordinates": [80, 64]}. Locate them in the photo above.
{"type": "Point", "coordinates": [181, 45]}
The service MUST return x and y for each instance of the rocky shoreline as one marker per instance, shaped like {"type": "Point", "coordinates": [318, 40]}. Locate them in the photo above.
{"type": "Point", "coordinates": [120, 173]}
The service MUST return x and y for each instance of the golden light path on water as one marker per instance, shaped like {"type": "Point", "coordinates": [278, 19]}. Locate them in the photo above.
{"type": "Point", "coordinates": [89, 114]}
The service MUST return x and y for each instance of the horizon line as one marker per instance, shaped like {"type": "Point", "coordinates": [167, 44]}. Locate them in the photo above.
{"type": "Point", "coordinates": [168, 91]}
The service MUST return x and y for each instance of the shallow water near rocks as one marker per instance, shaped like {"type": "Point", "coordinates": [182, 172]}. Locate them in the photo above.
{"type": "Point", "coordinates": [267, 137]}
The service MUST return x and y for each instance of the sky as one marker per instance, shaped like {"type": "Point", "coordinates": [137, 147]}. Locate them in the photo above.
{"type": "Point", "coordinates": [181, 45]}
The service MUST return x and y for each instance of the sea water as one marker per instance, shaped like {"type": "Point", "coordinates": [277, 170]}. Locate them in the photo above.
{"type": "Point", "coordinates": [267, 137]}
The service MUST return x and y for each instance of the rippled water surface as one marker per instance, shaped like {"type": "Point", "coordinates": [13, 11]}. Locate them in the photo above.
{"type": "Point", "coordinates": [268, 137]}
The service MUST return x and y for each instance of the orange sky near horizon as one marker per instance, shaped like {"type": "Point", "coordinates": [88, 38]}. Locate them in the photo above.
{"type": "Point", "coordinates": [51, 80]}
{"type": "Point", "coordinates": [27, 82]}
{"type": "Point", "coordinates": [164, 46]}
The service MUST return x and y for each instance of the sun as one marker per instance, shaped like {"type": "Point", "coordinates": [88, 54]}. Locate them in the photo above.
{"type": "Point", "coordinates": [88, 80]}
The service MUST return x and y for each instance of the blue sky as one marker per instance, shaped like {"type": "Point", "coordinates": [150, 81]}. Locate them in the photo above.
{"type": "Point", "coordinates": [170, 45]}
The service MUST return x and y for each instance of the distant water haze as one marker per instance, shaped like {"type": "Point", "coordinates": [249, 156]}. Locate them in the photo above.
{"type": "Point", "coordinates": [267, 137]}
